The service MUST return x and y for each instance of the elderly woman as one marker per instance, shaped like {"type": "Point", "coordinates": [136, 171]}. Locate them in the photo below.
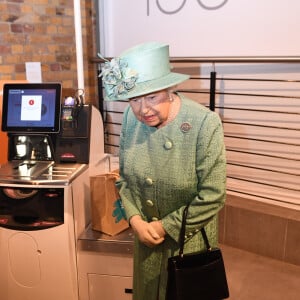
{"type": "Point", "coordinates": [171, 154]}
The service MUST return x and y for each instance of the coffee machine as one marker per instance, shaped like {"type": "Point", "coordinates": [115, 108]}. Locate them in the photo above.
{"type": "Point", "coordinates": [44, 189]}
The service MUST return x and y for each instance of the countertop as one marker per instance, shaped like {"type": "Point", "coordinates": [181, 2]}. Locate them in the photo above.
{"type": "Point", "coordinates": [96, 241]}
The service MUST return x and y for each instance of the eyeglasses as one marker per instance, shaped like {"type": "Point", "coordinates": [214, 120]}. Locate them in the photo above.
{"type": "Point", "coordinates": [152, 99]}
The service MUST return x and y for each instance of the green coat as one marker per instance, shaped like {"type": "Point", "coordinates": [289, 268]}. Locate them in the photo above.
{"type": "Point", "coordinates": [161, 171]}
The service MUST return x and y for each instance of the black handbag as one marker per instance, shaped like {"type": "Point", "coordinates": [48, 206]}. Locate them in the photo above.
{"type": "Point", "coordinates": [196, 276]}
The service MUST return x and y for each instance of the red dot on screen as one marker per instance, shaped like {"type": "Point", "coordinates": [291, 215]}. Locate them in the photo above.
{"type": "Point", "coordinates": [31, 102]}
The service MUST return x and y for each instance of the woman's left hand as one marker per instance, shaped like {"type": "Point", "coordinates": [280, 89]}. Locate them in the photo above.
{"type": "Point", "coordinates": [145, 231]}
{"type": "Point", "coordinates": [157, 225]}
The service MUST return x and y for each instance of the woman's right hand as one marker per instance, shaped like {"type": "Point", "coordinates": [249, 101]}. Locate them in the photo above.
{"type": "Point", "coordinates": [145, 232]}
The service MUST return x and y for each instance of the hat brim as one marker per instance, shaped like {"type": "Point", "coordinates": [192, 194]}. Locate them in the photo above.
{"type": "Point", "coordinates": [150, 86]}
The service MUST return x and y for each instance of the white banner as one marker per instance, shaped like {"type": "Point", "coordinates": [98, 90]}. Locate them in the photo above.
{"type": "Point", "coordinates": [202, 27]}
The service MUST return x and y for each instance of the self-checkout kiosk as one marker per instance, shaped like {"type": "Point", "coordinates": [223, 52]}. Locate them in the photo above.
{"type": "Point", "coordinates": [44, 189]}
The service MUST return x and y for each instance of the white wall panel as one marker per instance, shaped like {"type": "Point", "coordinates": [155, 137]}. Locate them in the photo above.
{"type": "Point", "coordinates": [236, 28]}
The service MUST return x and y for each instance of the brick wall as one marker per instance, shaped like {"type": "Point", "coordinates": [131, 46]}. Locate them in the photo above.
{"type": "Point", "coordinates": [43, 31]}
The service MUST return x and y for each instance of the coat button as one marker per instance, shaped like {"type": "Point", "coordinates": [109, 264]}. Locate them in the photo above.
{"type": "Point", "coordinates": [149, 181]}
{"type": "Point", "coordinates": [149, 203]}
{"type": "Point", "coordinates": [154, 219]}
{"type": "Point", "coordinates": [168, 145]}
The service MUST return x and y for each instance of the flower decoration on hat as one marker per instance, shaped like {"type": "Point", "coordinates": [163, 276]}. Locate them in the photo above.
{"type": "Point", "coordinates": [117, 76]}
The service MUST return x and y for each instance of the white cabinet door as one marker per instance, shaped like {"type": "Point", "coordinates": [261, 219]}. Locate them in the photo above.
{"type": "Point", "coordinates": [109, 287]}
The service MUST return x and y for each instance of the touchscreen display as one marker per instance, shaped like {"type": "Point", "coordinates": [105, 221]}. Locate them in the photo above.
{"type": "Point", "coordinates": [31, 107]}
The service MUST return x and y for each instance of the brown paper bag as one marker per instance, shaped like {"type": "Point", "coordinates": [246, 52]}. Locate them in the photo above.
{"type": "Point", "coordinates": [104, 195]}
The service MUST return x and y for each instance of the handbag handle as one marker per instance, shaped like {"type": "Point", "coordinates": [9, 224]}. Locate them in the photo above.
{"type": "Point", "coordinates": [182, 233]}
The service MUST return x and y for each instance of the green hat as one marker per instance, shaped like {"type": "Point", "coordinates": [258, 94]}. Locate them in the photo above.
{"type": "Point", "coordinates": [138, 71]}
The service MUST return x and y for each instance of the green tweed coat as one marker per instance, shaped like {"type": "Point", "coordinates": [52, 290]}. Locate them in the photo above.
{"type": "Point", "coordinates": [161, 171]}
